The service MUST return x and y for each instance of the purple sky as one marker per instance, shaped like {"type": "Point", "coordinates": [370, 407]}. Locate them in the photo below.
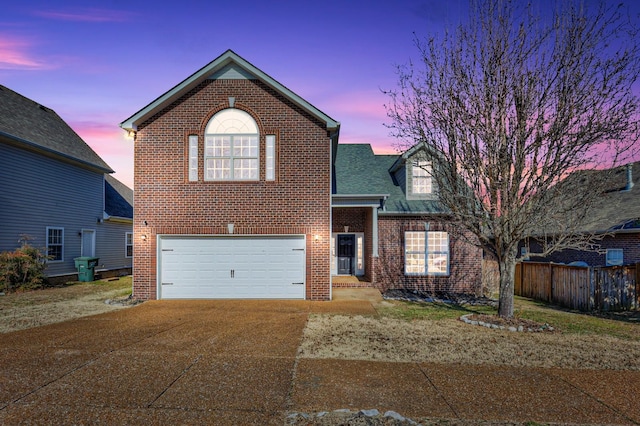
{"type": "Point", "coordinates": [97, 65]}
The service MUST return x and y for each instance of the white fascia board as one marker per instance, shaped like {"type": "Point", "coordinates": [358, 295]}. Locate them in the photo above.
{"type": "Point", "coordinates": [358, 200]}
{"type": "Point", "coordinates": [196, 78]}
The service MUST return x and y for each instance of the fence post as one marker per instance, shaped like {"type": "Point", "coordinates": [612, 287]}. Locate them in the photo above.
{"type": "Point", "coordinates": [592, 288]}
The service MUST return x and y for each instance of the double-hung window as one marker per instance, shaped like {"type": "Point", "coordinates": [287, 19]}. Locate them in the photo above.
{"type": "Point", "coordinates": [55, 244]}
{"type": "Point", "coordinates": [421, 184]}
{"type": "Point", "coordinates": [128, 244]}
{"type": "Point", "coordinates": [231, 157]}
{"type": "Point", "coordinates": [615, 257]}
{"type": "Point", "coordinates": [426, 253]}
{"type": "Point", "coordinates": [231, 148]}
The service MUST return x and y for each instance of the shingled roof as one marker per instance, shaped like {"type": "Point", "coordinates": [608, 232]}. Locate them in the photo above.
{"type": "Point", "coordinates": [358, 171]}
{"type": "Point", "coordinates": [620, 208]}
{"type": "Point", "coordinates": [32, 126]}
{"type": "Point", "coordinates": [118, 198]}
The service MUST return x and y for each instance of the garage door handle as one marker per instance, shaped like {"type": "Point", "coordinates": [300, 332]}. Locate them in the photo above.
{"type": "Point", "coordinates": [297, 283]}
{"type": "Point", "coordinates": [167, 249]}
{"type": "Point", "coordinates": [167, 283]}
{"type": "Point", "coordinates": [297, 249]}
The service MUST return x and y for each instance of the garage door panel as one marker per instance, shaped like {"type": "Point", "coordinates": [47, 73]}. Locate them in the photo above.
{"type": "Point", "coordinates": [236, 267]}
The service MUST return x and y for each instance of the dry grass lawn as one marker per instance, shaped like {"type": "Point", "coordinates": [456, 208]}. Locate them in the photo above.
{"type": "Point", "coordinates": [583, 342]}
{"type": "Point", "coordinates": [23, 310]}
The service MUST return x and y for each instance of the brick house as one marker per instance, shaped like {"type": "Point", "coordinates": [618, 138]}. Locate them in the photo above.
{"type": "Point", "coordinates": [242, 191]}
{"type": "Point", "coordinates": [617, 221]}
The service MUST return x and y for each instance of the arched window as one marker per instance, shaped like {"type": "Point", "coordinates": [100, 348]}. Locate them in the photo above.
{"type": "Point", "coordinates": [231, 150]}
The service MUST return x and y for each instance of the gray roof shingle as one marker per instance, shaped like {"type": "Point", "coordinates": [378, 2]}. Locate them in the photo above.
{"type": "Point", "coordinates": [118, 198]}
{"type": "Point", "coordinates": [359, 171]}
{"type": "Point", "coordinates": [34, 126]}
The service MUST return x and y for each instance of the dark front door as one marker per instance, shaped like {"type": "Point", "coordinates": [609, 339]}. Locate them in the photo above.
{"type": "Point", "coordinates": [346, 253]}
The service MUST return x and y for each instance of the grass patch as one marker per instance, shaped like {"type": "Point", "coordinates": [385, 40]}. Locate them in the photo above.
{"type": "Point", "coordinates": [571, 322]}
{"type": "Point", "coordinates": [71, 291]}
{"type": "Point", "coordinates": [434, 311]}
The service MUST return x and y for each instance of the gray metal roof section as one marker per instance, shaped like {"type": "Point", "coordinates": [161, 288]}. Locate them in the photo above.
{"type": "Point", "coordinates": [29, 125]}
{"type": "Point", "coordinates": [118, 198]}
{"type": "Point", "coordinates": [358, 171]}
{"type": "Point", "coordinates": [227, 65]}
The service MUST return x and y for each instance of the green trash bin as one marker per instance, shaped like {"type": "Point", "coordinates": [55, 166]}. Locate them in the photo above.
{"type": "Point", "coordinates": [85, 266]}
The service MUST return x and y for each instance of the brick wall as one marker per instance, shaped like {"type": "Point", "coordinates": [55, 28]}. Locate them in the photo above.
{"type": "Point", "coordinates": [629, 242]}
{"type": "Point", "coordinates": [297, 202]}
{"type": "Point", "coordinates": [465, 262]}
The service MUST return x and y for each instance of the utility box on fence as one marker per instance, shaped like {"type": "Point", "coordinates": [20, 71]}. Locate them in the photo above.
{"type": "Point", "coordinates": [86, 266]}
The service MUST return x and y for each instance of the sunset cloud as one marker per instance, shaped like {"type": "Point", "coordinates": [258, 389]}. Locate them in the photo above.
{"type": "Point", "coordinates": [86, 15]}
{"type": "Point", "coordinates": [15, 55]}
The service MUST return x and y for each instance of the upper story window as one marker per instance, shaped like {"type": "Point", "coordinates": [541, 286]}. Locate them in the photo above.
{"type": "Point", "coordinates": [231, 148]}
{"type": "Point", "coordinates": [421, 178]}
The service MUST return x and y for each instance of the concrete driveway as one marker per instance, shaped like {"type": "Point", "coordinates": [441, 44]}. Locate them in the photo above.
{"type": "Point", "coordinates": [234, 362]}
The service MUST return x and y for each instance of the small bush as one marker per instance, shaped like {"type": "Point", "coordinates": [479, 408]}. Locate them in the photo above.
{"type": "Point", "coordinates": [22, 269]}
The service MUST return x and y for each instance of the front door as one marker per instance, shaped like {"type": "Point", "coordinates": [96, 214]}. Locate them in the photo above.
{"type": "Point", "coordinates": [346, 253]}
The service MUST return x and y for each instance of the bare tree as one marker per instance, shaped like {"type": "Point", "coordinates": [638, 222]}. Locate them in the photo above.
{"type": "Point", "coordinates": [511, 103]}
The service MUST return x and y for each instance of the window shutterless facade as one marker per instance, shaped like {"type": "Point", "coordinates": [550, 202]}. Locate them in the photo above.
{"type": "Point", "coordinates": [231, 147]}
{"type": "Point", "coordinates": [615, 257]}
{"type": "Point", "coordinates": [231, 157]}
{"type": "Point", "coordinates": [55, 244]}
{"type": "Point", "coordinates": [128, 244]}
{"type": "Point", "coordinates": [426, 253]}
{"type": "Point", "coordinates": [270, 157]}
{"type": "Point", "coordinates": [421, 178]}
{"type": "Point", "coordinates": [193, 158]}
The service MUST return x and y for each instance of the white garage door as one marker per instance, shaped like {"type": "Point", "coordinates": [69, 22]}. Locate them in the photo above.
{"type": "Point", "coordinates": [232, 267]}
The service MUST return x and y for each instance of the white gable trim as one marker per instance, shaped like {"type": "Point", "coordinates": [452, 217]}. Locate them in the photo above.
{"type": "Point", "coordinates": [224, 64]}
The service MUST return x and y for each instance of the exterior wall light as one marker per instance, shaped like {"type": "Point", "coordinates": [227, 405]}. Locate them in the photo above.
{"type": "Point", "coordinates": [316, 237]}
{"type": "Point", "coordinates": [144, 237]}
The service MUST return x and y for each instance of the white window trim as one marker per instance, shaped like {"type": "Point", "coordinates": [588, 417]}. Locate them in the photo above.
{"type": "Point", "coordinates": [410, 176]}
{"type": "Point", "coordinates": [51, 228]}
{"type": "Point", "coordinates": [426, 253]}
{"type": "Point", "coordinates": [128, 236]}
{"type": "Point", "coordinates": [609, 262]}
{"type": "Point", "coordinates": [359, 252]}
{"type": "Point", "coordinates": [193, 158]}
{"type": "Point", "coordinates": [270, 157]}
{"type": "Point", "coordinates": [234, 124]}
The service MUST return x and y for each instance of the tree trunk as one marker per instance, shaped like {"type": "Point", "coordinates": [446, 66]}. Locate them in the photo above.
{"type": "Point", "coordinates": [507, 267]}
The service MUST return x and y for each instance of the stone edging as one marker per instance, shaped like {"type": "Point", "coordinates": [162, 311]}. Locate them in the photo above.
{"type": "Point", "coordinates": [465, 319]}
{"type": "Point", "coordinates": [346, 416]}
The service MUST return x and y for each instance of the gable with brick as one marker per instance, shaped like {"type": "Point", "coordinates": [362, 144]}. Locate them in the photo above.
{"type": "Point", "coordinates": [241, 192]}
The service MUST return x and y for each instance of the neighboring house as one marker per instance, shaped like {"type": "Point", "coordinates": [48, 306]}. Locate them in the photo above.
{"type": "Point", "coordinates": [57, 191]}
{"type": "Point", "coordinates": [242, 191]}
{"type": "Point", "coordinates": [618, 219]}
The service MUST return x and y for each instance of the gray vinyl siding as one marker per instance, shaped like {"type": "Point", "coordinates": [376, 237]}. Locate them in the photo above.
{"type": "Point", "coordinates": [38, 191]}
{"type": "Point", "coordinates": [110, 246]}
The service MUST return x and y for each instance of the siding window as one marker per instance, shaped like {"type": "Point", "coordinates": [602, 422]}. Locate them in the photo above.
{"type": "Point", "coordinates": [193, 158]}
{"type": "Point", "coordinates": [426, 253]}
{"type": "Point", "coordinates": [231, 147]}
{"type": "Point", "coordinates": [128, 244]}
{"type": "Point", "coordinates": [615, 257]}
{"type": "Point", "coordinates": [55, 244]}
{"type": "Point", "coordinates": [270, 160]}
{"type": "Point", "coordinates": [421, 178]}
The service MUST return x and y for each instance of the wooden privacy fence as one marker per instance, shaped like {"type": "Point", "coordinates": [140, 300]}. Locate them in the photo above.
{"type": "Point", "coordinates": [603, 288]}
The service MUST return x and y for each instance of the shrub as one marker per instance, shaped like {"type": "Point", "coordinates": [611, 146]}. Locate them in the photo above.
{"type": "Point", "coordinates": [22, 269]}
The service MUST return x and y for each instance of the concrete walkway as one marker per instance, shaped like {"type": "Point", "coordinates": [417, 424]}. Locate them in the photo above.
{"type": "Point", "coordinates": [234, 362]}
